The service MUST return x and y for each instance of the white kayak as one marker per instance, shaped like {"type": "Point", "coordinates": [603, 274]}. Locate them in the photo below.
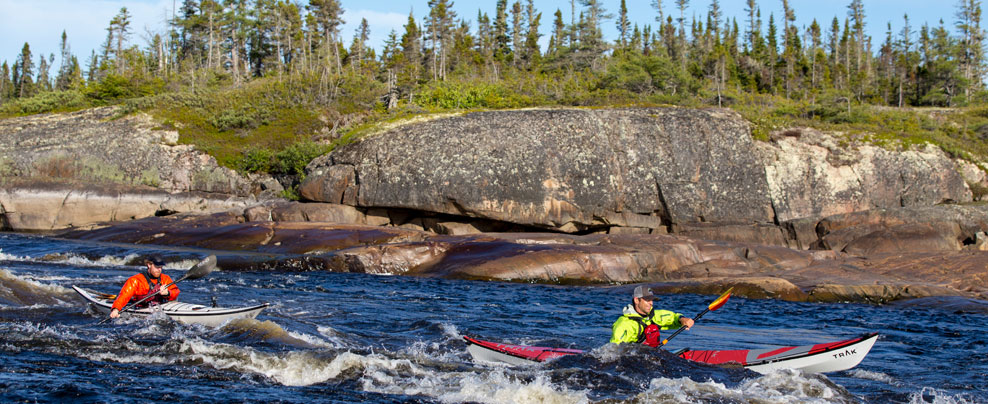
{"type": "Point", "coordinates": [182, 312]}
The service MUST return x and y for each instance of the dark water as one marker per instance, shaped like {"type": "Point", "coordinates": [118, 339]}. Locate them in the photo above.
{"type": "Point", "coordinates": [331, 337]}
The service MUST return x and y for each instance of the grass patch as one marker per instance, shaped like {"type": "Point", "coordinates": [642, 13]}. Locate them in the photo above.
{"type": "Point", "coordinates": [960, 133]}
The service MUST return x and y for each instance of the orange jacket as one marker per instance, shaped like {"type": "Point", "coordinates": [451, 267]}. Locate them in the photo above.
{"type": "Point", "coordinates": [137, 285]}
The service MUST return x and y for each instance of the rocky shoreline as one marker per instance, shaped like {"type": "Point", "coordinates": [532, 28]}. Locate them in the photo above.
{"type": "Point", "coordinates": [681, 199]}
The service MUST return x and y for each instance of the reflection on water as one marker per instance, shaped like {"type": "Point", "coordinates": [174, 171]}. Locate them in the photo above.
{"type": "Point", "coordinates": [354, 337]}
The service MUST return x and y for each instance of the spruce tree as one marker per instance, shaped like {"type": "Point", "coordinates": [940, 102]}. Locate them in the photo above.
{"type": "Point", "coordinates": [24, 80]}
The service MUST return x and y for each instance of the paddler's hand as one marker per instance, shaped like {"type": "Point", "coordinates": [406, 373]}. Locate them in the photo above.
{"type": "Point", "coordinates": [686, 322]}
{"type": "Point", "coordinates": [164, 292]}
{"type": "Point", "coordinates": [114, 313]}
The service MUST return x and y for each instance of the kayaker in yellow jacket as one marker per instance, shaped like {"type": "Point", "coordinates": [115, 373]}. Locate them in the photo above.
{"type": "Point", "coordinates": [641, 323]}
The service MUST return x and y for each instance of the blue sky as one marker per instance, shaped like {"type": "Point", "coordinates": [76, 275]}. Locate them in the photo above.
{"type": "Point", "coordinates": [40, 22]}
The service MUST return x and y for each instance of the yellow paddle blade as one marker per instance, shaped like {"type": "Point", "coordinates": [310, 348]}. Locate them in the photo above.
{"type": "Point", "coordinates": [106, 296]}
{"type": "Point", "coordinates": [720, 300]}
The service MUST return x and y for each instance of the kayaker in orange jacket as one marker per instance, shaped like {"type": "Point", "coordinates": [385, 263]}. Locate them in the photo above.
{"type": "Point", "coordinates": [145, 283]}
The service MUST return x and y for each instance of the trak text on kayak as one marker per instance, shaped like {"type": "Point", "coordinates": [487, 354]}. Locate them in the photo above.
{"type": "Point", "coordinates": [848, 352]}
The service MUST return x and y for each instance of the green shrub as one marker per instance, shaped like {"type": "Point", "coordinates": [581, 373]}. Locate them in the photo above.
{"type": "Point", "coordinates": [293, 159]}
{"type": "Point", "coordinates": [256, 160]}
{"type": "Point", "coordinates": [242, 117]}
{"type": "Point", "coordinates": [53, 101]}
{"type": "Point", "coordinates": [449, 95]}
{"type": "Point", "coordinates": [112, 87]}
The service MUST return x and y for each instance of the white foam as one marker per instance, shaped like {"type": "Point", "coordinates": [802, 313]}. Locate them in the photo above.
{"type": "Point", "coordinates": [876, 376]}
{"type": "Point", "coordinates": [785, 386]}
{"type": "Point", "coordinates": [7, 257]}
{"type": "Point", "coordinates": [296, 368]}
{"type": "Point", "coordinates": [929, 395]}
{"type": "Point", "coordinates": [32, 331]}
{"type": "Point", "coordinates": [104, 261]}
{"type": "Point", "coordinates": [496, 387]}
{"type": "Point", "coordinates": [450, 331]}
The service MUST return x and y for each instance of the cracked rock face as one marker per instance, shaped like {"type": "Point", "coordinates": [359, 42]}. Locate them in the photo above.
{"type": "Point", "coordinates": [647, 170]}
{"type": "Point", "coordinates": [562, 169]}
{"type": "Point", "coordinates": [812, 175]}
{"type": "Point", "coordinates": [93, 146]}
{"type": "Point", "coordinates": [86, 167]}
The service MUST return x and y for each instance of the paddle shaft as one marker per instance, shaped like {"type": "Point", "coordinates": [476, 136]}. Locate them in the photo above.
{"type": "Point", "coordinates": [695, 319]}
{"type": "Point", "coordinates": [716, 304]}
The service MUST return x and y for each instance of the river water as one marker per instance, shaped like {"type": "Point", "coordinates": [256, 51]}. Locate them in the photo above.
{"type": "Point", "coordinates": [340, 337]}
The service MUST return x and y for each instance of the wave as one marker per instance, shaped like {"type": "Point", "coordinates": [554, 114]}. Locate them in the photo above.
{"type": "Point", "coordinates": [269, 331]}
{"type": "Point", "coordinates": [785, 386]}
{"type": "Point", "coordinates": [23, 291]}
{"type": "Point", "coordinates": [498, 387]}
{"type": "Point", "coordinates": [876, 376]}
{"type": "Point", "coordinates": [929, 395]}
{"type": "Point", "coordinates": [104, 261]}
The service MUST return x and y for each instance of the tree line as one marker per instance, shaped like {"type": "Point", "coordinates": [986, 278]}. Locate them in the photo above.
{"type": "Point", "coordinates": [227, 43]}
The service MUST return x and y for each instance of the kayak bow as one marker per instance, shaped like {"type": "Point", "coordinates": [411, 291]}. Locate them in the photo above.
{"type": "Point", "coordinates": [816, 358]}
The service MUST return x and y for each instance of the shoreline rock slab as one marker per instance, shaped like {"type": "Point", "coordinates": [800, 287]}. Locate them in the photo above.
{"type": "Point", "coordinates": [679, 263]}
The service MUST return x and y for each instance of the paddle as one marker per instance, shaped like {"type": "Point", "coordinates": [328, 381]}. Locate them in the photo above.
{"type": "Point", "coordinates": [713, 306]}
{"type": "Point", "coordinates": [200, 270]}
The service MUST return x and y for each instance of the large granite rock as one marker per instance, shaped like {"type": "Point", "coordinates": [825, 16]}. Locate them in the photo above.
{"type": "Point", "coordinates": [562, 169]}
{"type": "Point", "coordinates": [94, 146]}
{"type": "Point", "coordinates": [634, 170]}
{"type": "Point", "coordinates": [812, 175]}
{"type": "Point", "coordinates": [86, 167]}
{"type": "Point", "coordinates": [47, 206]}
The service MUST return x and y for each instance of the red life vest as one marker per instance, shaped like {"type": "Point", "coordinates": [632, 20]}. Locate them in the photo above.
{"type": "Point", "coordinates": [650, 335]}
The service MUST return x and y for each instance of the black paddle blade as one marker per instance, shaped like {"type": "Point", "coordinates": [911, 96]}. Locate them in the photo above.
{"type": "Point", "coordinates": [201, 269]}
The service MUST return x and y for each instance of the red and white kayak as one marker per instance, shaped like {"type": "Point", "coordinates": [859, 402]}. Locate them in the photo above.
{"type": "Point", "coordinates": [817, 358]}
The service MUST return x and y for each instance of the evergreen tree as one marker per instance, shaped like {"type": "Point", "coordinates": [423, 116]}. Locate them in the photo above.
{"type": "Point", "coordinates": [659, 18]}
{"type": "Point", "coordinates": [440, 27]}
{"type": "Point", "coordinates": [517, 33]}
{"type": "Point", "coordinates": [905, 61]}
{"type": "Point", "coordinates": [790, 48]}
{"type": "Point", "coordinates": [6, 86]}
{"type": "Point", "coordinates": [502, 48]}
{"type": "Point", "coordinates": [24, 73]}
{"type": "Point", "coordinates": [773, 51]}
{"type": "Point", "coordinates": [754, 26]}
{"type": "Point", "coordinates": [532, 52]}
{"type": "Point", "coordinates": [591, 37]}
{"type": "Point", "coordinates": [358, 47]}
{"type": "Point", "coordinates": [623, 25]}
{"type": "Point", "coordinates": [62, 80]}
{"type": "Point", "coordinates": [557, 41]}
{"type": "Point", "coordinates": [817, 58]}
{"type": "Point", "coordinates": [43, 83]}
{"type": "Point", "coordinates": [409, 71]}
{"type": "Point", "coordinates": [681, 39]}
{"type": "Point", "coordinates": [328, 15]}
{"type": "Point", "coordinates": [972, 43]}
{"type": "Point", "coordinates": [855, 11]}
{"type": "Point", "coordinates": [120, 31]}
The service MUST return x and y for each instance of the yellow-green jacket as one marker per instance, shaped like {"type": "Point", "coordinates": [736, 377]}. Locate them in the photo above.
{"type": "Point", "coordinates": [630, 327]}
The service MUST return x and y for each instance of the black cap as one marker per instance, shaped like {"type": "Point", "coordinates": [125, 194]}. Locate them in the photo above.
{"type": "Point", "coordinates": [156, 260]}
